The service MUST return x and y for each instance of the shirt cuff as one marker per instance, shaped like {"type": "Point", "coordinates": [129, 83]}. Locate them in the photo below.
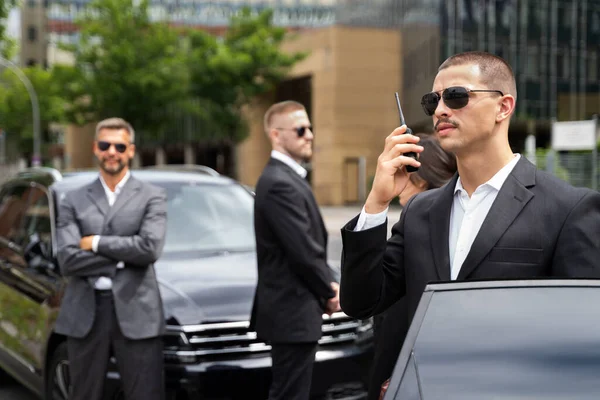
{"type": "Point", "coordinates": [95, 241]}
{"type": "Point", "coordinates": [368, 221]}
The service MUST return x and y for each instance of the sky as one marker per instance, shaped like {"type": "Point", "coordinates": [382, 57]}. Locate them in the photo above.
{"type": "Point", "coordinates": [13, 25]}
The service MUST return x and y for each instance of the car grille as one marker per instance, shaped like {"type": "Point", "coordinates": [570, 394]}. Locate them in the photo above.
{"type": "Point", "coordinates": [187, 343]}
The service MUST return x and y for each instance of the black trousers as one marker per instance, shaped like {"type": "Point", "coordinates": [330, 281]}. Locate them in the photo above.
{"type": "Point", "coordinates": [292, 370]}
{"type": "Point", "coordinates": [390, 331]}
{"type": "Point", "coordinates": [140, 362]}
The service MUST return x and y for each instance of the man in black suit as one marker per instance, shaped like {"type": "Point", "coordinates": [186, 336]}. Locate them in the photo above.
{"type": "Point", "coordinates": [295, 284]}
{"type": "Point", "coordinates": [110, 232]}
{"type": "Point", "coordinates": [498, 218]}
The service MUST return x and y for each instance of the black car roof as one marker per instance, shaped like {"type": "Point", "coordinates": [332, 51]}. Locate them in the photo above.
{"type": "Point", "coordinates": [62, 182]}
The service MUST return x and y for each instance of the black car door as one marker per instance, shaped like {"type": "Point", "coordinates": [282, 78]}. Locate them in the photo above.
{"type": "Point", "coordinates": [32, 284]}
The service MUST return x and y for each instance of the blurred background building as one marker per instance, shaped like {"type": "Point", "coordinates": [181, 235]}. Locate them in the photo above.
{"type": "Point", "coordinates": [361, 52]}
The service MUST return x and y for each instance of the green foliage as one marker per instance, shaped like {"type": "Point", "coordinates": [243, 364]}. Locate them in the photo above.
{"type": "Point", "coordinates": [16, 113]}
{"type": "Point", "coordinates": [541, 162]}
{"type": "Point", "coordinates": [125, 66]}
{"type": "Point", "coordinates": [154, 75]}
{"type": "Point", "coordinates": [7, 45]}
{"type": "Point", "coordinates": [229, 72]}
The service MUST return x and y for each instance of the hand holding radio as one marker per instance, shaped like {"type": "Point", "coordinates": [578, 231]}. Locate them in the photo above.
{"type": "Point", "coordinates": [392, 174]}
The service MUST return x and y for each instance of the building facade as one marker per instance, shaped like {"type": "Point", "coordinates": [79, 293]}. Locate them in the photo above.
{"type": "Point", "coordinates": [553, 47]}
{"type": "Point", "coordinates": [360, 53]}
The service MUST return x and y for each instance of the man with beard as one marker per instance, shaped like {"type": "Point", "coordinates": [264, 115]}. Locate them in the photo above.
{"type": "Point", "coordinates": [295, 284]}
{"type": "Point", "coordinates": [110, 233]}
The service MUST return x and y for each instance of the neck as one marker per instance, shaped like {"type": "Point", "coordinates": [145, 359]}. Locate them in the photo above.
{"type": "Point", "coordinates": [282, 151]}
{"type": "Point", "coordinates": [476, 168]}
{"type": "Point", "coordinates": [113, 180]}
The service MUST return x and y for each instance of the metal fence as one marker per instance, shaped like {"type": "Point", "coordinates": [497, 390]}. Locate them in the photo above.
{"type": "Point", "coordinates": [577, 168]}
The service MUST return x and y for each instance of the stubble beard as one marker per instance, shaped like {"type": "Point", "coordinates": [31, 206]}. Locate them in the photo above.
{"type": "Point", "coordinates": [112, 171]}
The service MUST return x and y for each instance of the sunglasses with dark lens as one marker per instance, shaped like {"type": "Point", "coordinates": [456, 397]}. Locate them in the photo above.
{"type": "Point", "coordinates": [120, 147]}
{"type": "Point", "coordinates": [455, 97]}
{"type": "Point", "coordinates": [300, 131]}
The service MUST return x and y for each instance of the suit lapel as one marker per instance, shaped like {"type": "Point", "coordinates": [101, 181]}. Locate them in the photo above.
{"type": "Point", "coordinates": [96, 194]}
{"type": "Point", "coordinates": [132, 186]}
{"type": "Point", "coordinates": [439, 229]}
{"type": "Point", "coordinates": [511, 199]}
{"type": "Point", "coordinates": [307, 189]}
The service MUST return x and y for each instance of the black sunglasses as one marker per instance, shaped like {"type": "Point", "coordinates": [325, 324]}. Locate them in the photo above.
{"type": "Point", "coordinates": [455, 97]}
{"type": "Point", "coordinates": [120, 147]}
{"type": "Point", "coordinates": [300, 131]}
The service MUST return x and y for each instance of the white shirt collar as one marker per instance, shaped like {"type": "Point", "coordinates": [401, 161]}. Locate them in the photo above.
{"type": "Point", "coordinates": [290, 162]}
{"type": "Point", "coordinates": [498, 179]}
{"type": "Point", "coordinates": [119, 185]}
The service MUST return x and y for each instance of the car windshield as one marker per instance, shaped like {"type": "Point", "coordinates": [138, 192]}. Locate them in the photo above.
{"type": "Point", "coordinates": [208, 217]}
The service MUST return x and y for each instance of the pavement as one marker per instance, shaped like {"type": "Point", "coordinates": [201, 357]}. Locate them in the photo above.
{"type": "Point", "coordinates": [334, 217]}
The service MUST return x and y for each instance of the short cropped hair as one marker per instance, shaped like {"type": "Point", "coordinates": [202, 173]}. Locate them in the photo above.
{"type": "Point", "coordinates": [496, 73]}
{"type": "Point", "coordinates": [280, 108]}
{"type": "Point", "coordinates": [116, 123]}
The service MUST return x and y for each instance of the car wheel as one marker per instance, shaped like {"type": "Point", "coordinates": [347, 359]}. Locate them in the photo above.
{"type": "Point", "coordinates": [58, 379]}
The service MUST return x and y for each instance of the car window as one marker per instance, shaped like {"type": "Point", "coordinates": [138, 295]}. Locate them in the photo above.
{"type": "Point", "coordinates": [525, 342]}
{"type": "Point", "coordinates": [208, 217]}
{"type": "Point", "coordinates": [37, 217]}
{"type": "Point", "coordinates": [13, 203]}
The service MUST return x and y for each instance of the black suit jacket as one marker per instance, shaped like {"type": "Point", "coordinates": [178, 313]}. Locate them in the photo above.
{"type": "Point", "coordinates": [294, 280]}
{"type": "Point", "coordinates": [538, 227]}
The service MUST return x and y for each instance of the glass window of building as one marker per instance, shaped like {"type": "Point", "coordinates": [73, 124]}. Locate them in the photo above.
{"type": "Point", "coordinates": [592, 67]}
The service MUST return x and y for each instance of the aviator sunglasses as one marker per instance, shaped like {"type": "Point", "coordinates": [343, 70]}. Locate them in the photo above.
{"type": "Point", "coordinates": [300, 131]}
{"type": "Point", "coordinates": [120, 147]}
{"type": "Point", "coordinates": [455, 97]}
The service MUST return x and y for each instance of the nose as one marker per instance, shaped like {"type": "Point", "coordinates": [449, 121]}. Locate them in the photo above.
{"type": "Point", "coordinates": [309, 135]}
{"type": "Point", "coordinates": [442, 110]}
{"type": "Point", "coordinates": [112, 150]}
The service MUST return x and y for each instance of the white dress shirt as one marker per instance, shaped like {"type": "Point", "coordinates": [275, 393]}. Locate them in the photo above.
{"type": "Point", "coordinates": [104, 282]}
{"type": "Point", "coordinates": [289, 161]}
{"type": "Point", "coordinates": [466, 215]}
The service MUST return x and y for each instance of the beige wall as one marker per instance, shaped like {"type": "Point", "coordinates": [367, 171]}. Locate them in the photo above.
{"type": "Point", "coordinates": [355, 72]}
{"type": "Point", "coordinates": [79, 141]}
{"type": "Point", "coordinates": [33, 14]}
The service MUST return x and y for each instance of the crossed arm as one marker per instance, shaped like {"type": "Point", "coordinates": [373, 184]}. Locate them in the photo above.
{"type": "Point", "coordinates": [146, 246]}
{"type": "Point", "coordinates": [73, 260]}
{"type": "Point", "coordinates": [74, 251]}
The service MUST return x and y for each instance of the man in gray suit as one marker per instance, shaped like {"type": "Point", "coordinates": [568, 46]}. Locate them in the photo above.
{"type": "Point", "coordinates": [498, 218]}
{"type": "Point", "coordinates": [110, 233]}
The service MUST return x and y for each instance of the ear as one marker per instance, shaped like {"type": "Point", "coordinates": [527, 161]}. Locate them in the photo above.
{"type": "Point", "coordinates": [131, 150]}
{"type": "Point", "coordinates": [506, 107]}
{"type": "Point", "coordinates": [273, 135]}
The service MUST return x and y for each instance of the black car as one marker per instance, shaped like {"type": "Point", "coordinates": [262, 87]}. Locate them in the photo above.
{"type": "Point", "coordinates": [207, 275]}
{"type": "Point", "coordinates": [537, 339]}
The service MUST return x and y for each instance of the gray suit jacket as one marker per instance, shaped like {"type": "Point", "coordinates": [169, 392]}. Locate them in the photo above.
{"type": "Point", "coordinates": [538, 227]}
{"type": "Point", "coordinates": [132, 231]}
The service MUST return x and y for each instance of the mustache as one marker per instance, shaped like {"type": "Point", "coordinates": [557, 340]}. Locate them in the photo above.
{"type": "Point", "coordinates": [445, 121]}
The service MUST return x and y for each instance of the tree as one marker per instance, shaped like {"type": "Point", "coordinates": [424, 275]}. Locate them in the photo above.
{"type": "Point", "coordinates": [7, 44]}
{"type": "Point", "coordinates": [125, 66]}
{"type": "Point", "coordinates": [16, 115]}
{"type": "Point", "coordinates": [228, 73]}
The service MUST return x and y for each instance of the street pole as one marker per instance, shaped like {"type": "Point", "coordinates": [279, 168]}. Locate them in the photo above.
{"type": "Point", "coordinates": [595, 154]}
{"type": "Point", "coordinates": [36, 158]}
